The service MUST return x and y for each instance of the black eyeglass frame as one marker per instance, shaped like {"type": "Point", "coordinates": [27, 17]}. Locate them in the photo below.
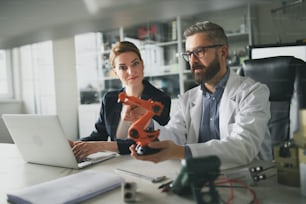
{"type": "Point", "coordinates": [186, 55]}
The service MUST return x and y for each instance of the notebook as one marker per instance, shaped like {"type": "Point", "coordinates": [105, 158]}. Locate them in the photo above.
{"type": "Point", "coordinates": [41, 140]}
{"type": "Point", "coordinates": [70, 189]}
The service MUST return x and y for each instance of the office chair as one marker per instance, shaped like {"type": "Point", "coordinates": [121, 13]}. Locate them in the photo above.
{"type": "Point", "coordinates": [286, 78]}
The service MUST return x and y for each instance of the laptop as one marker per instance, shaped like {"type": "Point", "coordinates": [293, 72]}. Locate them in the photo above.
{"type": "Point", "coordinates": [41, 140]}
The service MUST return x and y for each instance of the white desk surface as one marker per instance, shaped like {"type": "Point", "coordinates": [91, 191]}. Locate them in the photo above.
{"type": "Point", "coordinates": [15, 173]}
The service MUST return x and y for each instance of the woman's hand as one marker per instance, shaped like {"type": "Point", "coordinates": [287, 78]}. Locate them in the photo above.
{"type": "Point", "coordinates": [132, 113]}
{"type": "Point", "coordinates": [82, 149]}
{"type": "Point", "coordinates": [71, 143]}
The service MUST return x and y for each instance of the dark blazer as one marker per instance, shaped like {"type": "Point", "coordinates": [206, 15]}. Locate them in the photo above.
{"type": "Point", "coordinates": [110, 112]}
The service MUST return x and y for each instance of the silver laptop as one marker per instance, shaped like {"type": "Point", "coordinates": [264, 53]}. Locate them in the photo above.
{"type": "Point", "coordinates": [41, 140]}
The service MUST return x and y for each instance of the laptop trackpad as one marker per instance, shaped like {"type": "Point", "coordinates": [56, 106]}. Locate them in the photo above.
{"type": "Point", "coordinates": [97, 157]}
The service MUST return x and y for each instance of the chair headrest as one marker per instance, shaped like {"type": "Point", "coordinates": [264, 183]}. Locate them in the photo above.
{"type": "Point", "coordinates": [278, 73]}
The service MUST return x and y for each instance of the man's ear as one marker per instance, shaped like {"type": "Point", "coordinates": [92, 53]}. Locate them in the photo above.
{"type": "Point", "coordinates": [224, 51]}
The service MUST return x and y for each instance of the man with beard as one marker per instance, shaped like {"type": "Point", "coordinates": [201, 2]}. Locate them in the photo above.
{"type": "Point", "coordinates": [226, 115]}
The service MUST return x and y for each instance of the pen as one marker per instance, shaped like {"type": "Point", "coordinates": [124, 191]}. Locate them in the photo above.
{"type": "Point", "coordinates": [165, 184]}
{"type": "Point", "coordinates": [150, 178]}
{"type": "Point", "coordinates": [165, 187]}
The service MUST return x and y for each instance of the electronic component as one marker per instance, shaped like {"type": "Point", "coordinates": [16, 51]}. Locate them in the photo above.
{"type": "Point", "coordinates": [129, 191]}
{"type": "Point", "coordinates": [197, 177]}
{"type": "Point", "coordinates": [250, 175]}
{"type": "Point", "coordinates": [300, 140]}
{"type": "Point", "coordinates": [287, 163]}
{"type": "Point", "coordinates": [243, 174]}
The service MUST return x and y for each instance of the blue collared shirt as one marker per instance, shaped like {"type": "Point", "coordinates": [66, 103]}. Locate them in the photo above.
{"type": "Point", "coordinates": [209, 128]}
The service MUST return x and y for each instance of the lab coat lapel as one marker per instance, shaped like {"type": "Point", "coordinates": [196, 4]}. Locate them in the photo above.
{"type": "Point", "coordinates": [196, 111]}
{"type": "Point", "coordinates": [228, 102]}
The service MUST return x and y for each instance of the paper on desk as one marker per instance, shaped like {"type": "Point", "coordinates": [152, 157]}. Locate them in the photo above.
{"type": "Point", "coordinates": [69, 189]}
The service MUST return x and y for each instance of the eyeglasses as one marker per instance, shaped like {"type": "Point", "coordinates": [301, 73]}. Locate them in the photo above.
{"type": "Point", "coordinates": [198, 52]}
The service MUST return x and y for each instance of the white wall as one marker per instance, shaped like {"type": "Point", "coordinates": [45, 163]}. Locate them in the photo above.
{"type": "Point", "coordinates": [283, 26]}
{"type": "Point", "coordinates": [66, 86]}
{"type": "Point", "coordinates": [65, 89]}
{"type": "Point", "coordinates": [8, 107]}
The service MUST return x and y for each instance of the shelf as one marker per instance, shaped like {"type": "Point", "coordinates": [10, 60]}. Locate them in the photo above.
{"type": "Point", "coordinates": [159, 44]}
{"type": "Point", "coordinates": [167, 43]}
{"type": "Point", "coordinates": [106, 52]}
{"type": "Point", "coordinates": [152, 75]}
{"type": "Point", "coordinates": [163, 74]}
{"type": "Point", "coordinates": [110, 78]}
{"type": "Point", "coordinates": [238, 38]}
{"type": "Point", "coordinates": [232, 35]}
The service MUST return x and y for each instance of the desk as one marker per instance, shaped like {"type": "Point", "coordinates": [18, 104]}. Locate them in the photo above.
{"type": "Point", "coordinates": [15, 173]}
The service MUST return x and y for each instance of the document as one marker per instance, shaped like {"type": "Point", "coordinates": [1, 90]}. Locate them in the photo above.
{"type": "Point", "coordinates": [69, 189]}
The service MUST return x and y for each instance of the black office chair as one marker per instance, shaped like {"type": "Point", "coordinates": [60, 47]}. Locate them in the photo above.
{"type": "Point", "coordinates": [286, 78]}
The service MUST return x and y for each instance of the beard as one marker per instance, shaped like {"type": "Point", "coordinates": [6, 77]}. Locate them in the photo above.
{"type": "Point", "coordinates": [207, 73]}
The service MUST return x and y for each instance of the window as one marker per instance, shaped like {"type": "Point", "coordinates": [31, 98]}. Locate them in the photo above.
{"type": "Point", "coordinates": [5, 79]}
{"type": "Point", "coordinates": [37, 78]}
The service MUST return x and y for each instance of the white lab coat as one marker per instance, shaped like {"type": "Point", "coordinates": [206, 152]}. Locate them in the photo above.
{"type": "Point", "coordinates": [243, 120]}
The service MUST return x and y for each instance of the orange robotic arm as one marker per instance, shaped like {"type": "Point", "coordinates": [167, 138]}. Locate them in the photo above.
{"type": "Point", "coordinates": [137, 131]}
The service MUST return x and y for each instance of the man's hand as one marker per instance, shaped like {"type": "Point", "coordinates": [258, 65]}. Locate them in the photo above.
{"type": "Point", "coordinates": [168, 150]}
